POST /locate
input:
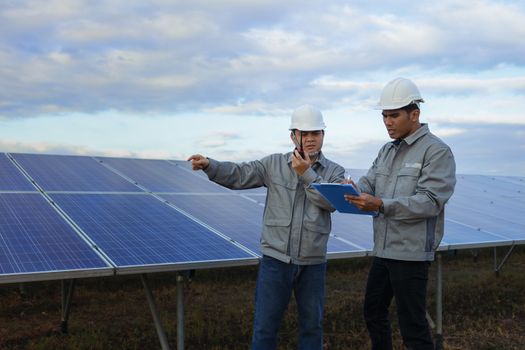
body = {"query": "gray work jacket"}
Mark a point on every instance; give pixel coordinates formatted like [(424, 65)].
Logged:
[(415, 178), (296, 222)]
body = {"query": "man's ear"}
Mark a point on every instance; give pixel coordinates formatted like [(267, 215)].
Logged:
[(414, 115)]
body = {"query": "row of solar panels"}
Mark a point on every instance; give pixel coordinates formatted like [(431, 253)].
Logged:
[(75, 216)]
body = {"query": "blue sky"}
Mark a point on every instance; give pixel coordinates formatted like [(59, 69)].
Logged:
[(166, 79)]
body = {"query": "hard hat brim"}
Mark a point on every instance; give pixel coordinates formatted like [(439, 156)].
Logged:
[(396, 106)]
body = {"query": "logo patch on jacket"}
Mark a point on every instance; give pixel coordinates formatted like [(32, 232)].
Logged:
[(413, 165)]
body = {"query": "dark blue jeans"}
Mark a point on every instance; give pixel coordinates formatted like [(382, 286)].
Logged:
[(406, 281), (275, 282)]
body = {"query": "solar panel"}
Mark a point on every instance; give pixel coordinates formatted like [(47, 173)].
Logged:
[(36, 243), (256, 197), (460, 236), (238, 218), (356, 229), (162, 176), (72, 173), (11, 179), (489, 188), (489, 204), (338, 247), (478, 209), (234, 216), (139, 232), (516, 180), (490, 219)]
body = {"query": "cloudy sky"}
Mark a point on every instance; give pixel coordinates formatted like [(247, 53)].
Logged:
[(167, 78)]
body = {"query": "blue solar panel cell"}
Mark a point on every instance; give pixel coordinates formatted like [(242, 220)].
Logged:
[(11, 179), (356, 229), (72, 173), (163, 176), (338, 247), (490, 218), (488, 187), (234, 216), (515, 180), (140, 230), (496, 208), (35, 239), (461, 236)]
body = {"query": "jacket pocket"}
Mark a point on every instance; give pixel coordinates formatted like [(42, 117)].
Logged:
[(280, 202), (382, 175), (321, 224), (313, 242), (275, 238), (406, 237), (406, 182)]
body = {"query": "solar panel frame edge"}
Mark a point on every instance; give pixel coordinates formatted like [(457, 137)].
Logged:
[(185, 266), (56, 275), (346, 255), (464, 246)]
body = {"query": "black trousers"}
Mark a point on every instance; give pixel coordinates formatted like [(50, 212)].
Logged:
[(406, 281)]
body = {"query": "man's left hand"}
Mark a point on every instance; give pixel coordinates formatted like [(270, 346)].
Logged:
[(365, 201), (300, 164)]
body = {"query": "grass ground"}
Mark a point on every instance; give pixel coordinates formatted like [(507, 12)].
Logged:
[(481, 310)]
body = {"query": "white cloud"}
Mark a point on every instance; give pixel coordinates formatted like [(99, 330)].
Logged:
[(234, 63), (447, 132)]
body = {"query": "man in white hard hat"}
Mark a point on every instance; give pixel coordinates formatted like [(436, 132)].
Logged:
[(296, 227), (408, 184)]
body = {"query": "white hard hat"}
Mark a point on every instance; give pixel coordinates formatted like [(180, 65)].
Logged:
[(399, 93), (307, 118)]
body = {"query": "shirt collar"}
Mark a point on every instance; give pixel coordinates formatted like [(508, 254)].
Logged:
[(410, 139)]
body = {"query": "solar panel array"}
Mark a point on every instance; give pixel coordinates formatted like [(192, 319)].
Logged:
[(75, 216)]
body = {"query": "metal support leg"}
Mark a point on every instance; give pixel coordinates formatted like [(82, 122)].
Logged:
[(475, 254), (439, 304), (156, 319), (22, 289), (67, 296), (180, 312), (430, 321), (497, 267), (496, 260)]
